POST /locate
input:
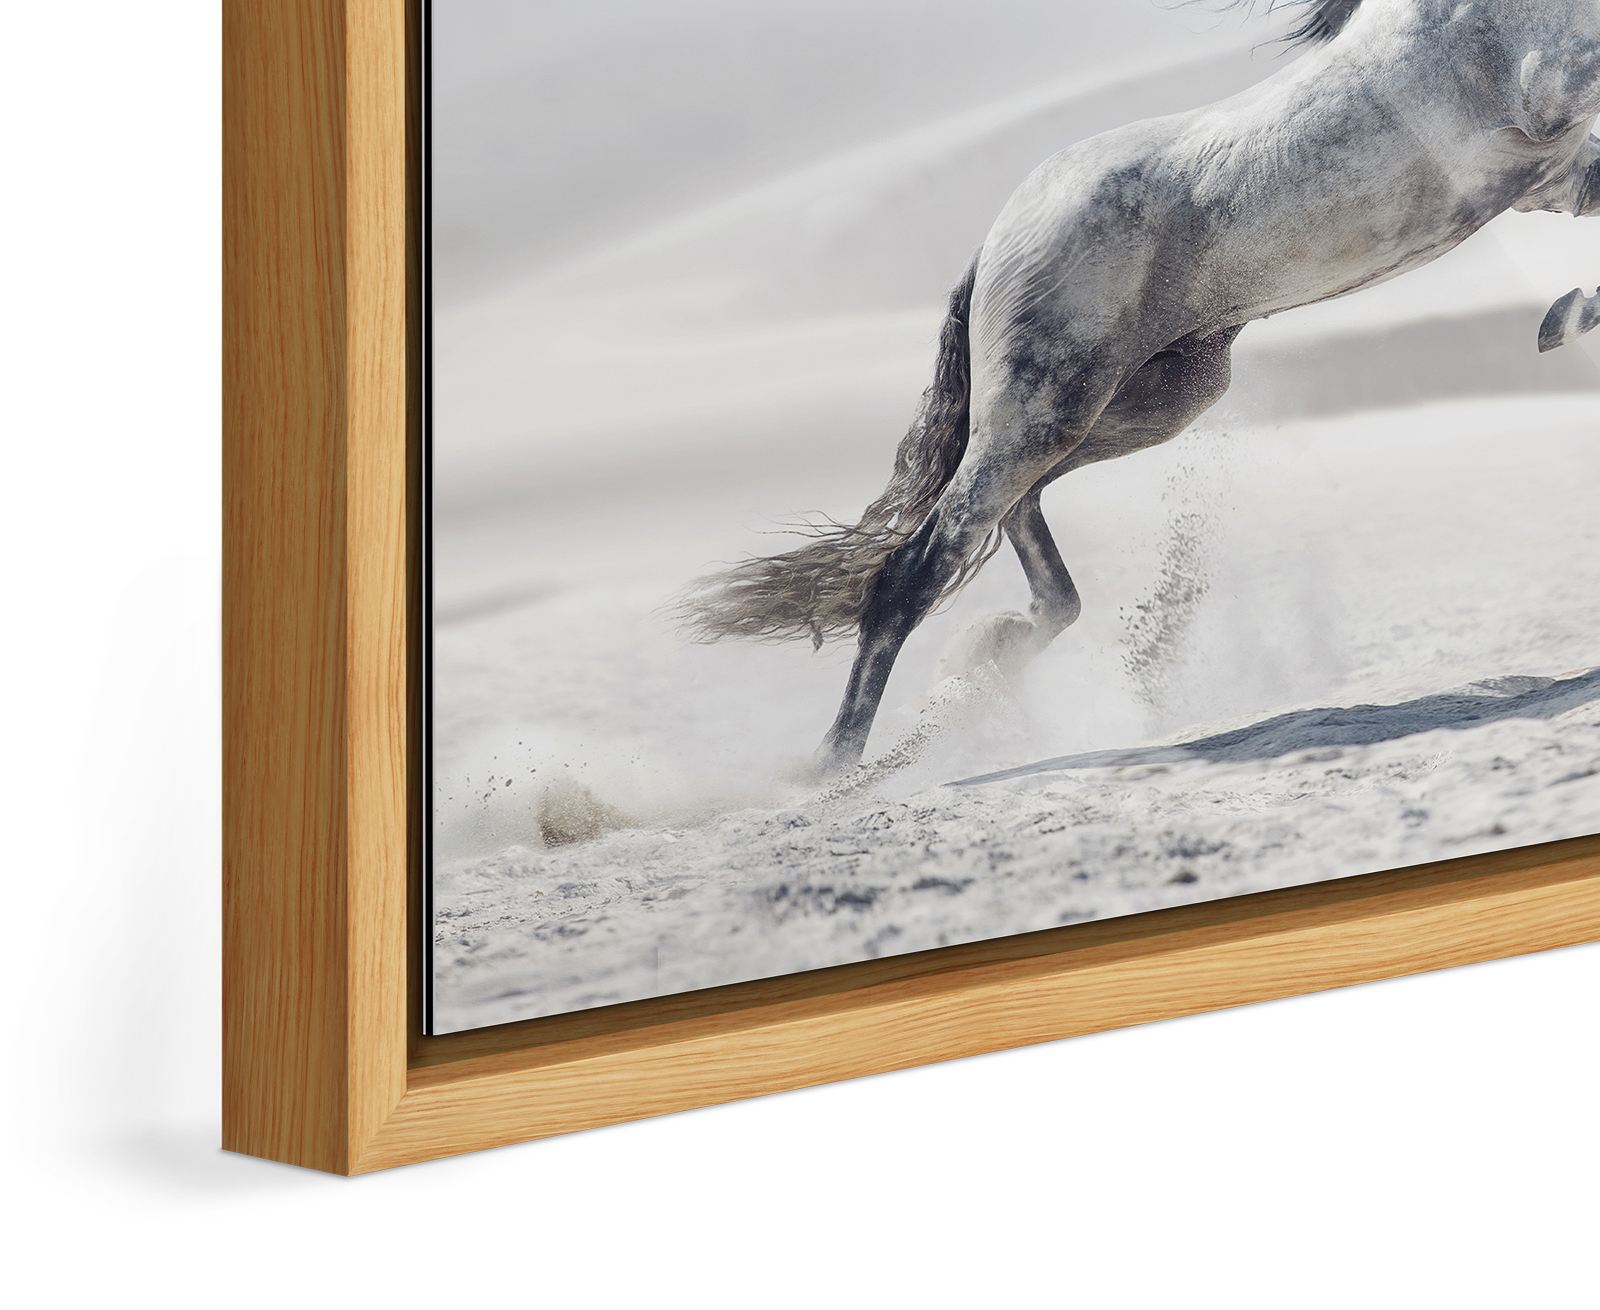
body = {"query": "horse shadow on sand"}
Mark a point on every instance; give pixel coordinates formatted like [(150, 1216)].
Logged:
[(1472, 706)]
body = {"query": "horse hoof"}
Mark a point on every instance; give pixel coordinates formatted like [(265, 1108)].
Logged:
[(1007, 640), (1569, 318), (831, 761)]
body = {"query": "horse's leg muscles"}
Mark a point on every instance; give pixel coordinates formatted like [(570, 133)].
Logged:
[(1056, 605), (1009, 639), (1152, 407), (910, 584), (1017, 438), (1158, 402)]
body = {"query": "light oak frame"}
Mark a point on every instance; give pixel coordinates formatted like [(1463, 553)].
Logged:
[(322, 1062)]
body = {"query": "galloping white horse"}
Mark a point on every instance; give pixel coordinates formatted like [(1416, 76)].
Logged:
[(1098, 316)]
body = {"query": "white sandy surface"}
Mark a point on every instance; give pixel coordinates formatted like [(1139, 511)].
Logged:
[(1372, 561), (764, 892)]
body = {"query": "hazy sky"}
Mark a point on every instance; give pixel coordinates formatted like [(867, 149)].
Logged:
[(559, 124)]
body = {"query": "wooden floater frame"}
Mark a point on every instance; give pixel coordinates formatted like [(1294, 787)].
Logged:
[(323, 1064)]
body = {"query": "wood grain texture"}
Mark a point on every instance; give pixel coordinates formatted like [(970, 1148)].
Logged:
[(1338, 900), (376, 620), (314, 558), (1147, 967), (283, 581), (322, 1064)]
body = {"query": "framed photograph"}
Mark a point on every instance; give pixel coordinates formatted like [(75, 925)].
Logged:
[(665, 658)]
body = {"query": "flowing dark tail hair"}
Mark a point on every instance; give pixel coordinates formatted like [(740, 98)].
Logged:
[(1322, 21), (821, 590)]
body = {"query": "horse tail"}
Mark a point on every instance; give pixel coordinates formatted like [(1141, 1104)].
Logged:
[(821, 590)]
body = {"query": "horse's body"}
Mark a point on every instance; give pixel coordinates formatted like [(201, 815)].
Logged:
[(1098, 315)]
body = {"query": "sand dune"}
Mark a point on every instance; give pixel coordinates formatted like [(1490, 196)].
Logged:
[(565, 126)]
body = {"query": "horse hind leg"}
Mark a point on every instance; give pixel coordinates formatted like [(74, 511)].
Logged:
[(1026, 431), (1011, 640), (912, 580), (1002, 463), (1172, 390)]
